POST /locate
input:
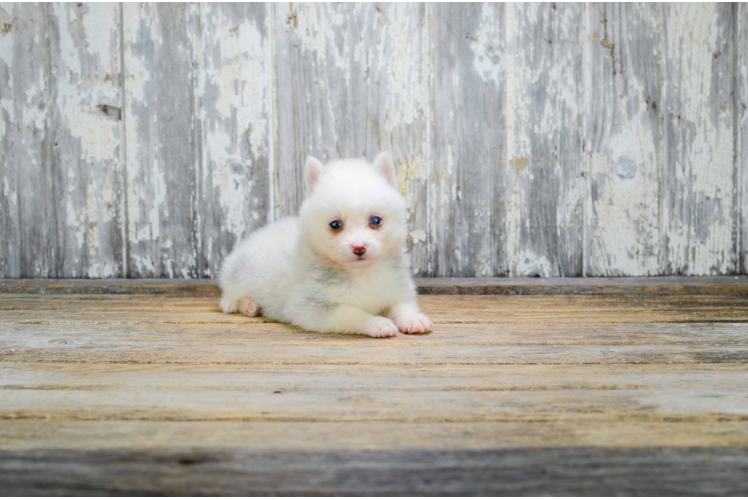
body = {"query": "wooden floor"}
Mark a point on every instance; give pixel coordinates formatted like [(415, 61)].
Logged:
[(160, 393)]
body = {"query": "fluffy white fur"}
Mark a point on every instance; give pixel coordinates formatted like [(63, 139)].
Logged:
[(301, 271)]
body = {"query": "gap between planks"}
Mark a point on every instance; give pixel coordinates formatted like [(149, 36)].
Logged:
[(665, 285)]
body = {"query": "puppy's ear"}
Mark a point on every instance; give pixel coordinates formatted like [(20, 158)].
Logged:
[(385, 166), (312, 172)]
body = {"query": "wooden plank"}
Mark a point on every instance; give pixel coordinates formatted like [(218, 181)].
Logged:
[(699, 206), (458, 309), (353, 80), (661, 285), (542, 175), (291, 378), (67, 337), (473, 330), (366, 354), (10, 257), (442, 309), (714, 401), (162, 139), (87, 116), (60, 132), (623, 138), (418, 394), (235, 108), (468, 42), (28, 435), (590, 471), (181, 287), (169, 391), (29, 166), (741, 113), (61, 212)]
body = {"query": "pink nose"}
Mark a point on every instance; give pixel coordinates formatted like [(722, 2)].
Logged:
[(359, 250)]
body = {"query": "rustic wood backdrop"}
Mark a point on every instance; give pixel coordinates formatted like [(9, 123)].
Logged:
[(144, 140)]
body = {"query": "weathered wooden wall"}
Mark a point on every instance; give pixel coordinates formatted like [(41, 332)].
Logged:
[(144, 140)]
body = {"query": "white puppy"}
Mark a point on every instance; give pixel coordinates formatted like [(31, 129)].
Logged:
[(341, 266)]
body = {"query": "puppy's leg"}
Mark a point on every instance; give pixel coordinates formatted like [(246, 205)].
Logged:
[(410, 319), (349, 319)]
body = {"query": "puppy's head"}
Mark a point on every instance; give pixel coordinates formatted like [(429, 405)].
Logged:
[(353, 214)]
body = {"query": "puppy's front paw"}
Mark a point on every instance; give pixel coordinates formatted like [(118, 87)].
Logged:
[(379, 327), (414, 323), (229, 306)]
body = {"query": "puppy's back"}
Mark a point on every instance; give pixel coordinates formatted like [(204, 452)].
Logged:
[(262, 265)]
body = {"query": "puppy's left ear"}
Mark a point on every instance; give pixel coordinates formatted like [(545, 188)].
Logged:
[(384, 165)]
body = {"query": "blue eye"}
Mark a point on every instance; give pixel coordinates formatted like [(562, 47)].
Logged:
[(336, 225), (375, 221)]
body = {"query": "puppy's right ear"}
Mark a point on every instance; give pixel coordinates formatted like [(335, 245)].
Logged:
[(312, 172)]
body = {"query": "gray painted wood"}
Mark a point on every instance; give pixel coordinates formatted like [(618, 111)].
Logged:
[(699, 175), (162, 138), (594, 471), (741, 113), (27, 198), (60, 130), (87, 117), (494, 114), (543, 181), (352, 80), (469, 91), (658, 285), (235, 111), (623, 134)]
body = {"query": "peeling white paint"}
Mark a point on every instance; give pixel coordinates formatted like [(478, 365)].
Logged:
[(624, 232), (241, 78), (381, 61), (9, 193), (33, 114), (742, 138), (407, 94), (315, 30), (700, 238), (418, 236), (486, 43), (529, 264), (7, 48)]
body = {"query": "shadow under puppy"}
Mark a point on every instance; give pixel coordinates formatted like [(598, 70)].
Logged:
[(341, 265)]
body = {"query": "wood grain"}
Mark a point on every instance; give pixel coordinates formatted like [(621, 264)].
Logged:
[(700, 168), (61, 134), (663, 285), (27, 435), (162, 139), (86, 64), (741, 114), (546, 471), (477, 330), (530, 140), (623, 139), (542, 176), (235, 110), (508, 394), (29, 166), (489, 309), (469, 63), (329, 393)]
